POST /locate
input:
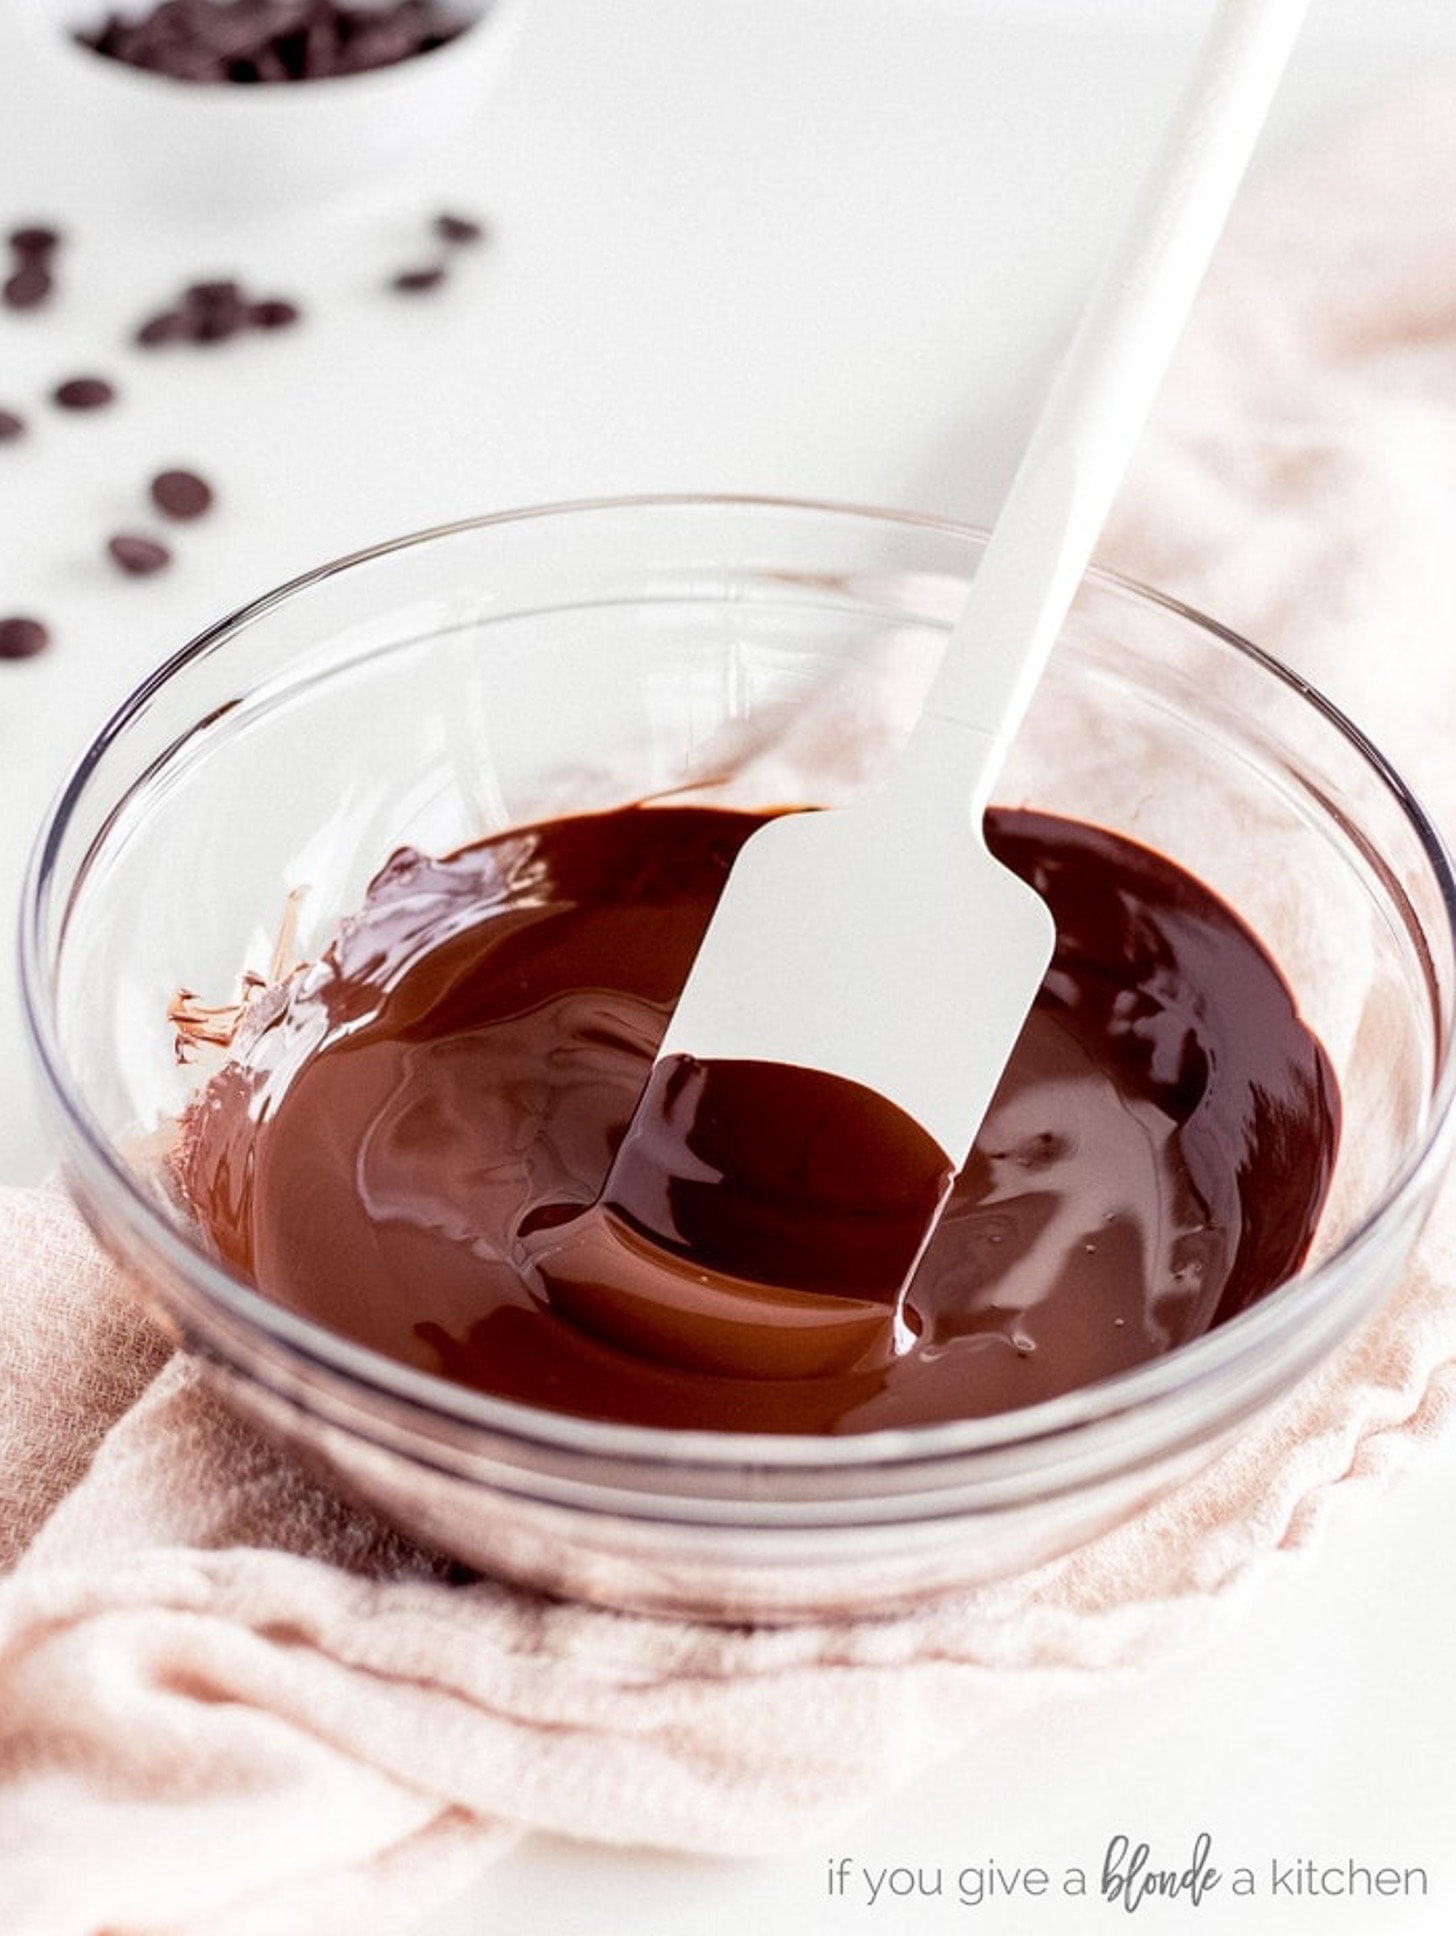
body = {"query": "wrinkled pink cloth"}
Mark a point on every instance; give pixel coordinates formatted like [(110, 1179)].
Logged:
[(229, 1704)]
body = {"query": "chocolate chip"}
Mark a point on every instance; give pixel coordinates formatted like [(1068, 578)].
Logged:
[(455, 231), (273, 41), (11, 426), (83, 393), (28, 286), (459, 228), (168, 326), (411, 281), (181, 494), (214, 312), (34, 241), (223, 293), (22, 638), (30, 281), (137, 555), (273, 312)]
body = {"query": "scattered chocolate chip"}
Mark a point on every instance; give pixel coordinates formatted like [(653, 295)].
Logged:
[(181, 494), (215, 325), (28, 286), (30, 281), (137, 555), (11, 426), (459, 228), (411, 281), (455, 231), (223, 294), (22, 638), (34, 241), (167, 327), (266, 41), (273, 312), (214, 312), (84, 393)]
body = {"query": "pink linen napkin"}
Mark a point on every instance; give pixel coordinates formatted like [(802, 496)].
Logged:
[(229, 1704)]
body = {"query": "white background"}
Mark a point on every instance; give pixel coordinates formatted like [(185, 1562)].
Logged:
[(810, 247)]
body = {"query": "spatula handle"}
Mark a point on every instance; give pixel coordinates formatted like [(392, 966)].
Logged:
[(1093, 416)]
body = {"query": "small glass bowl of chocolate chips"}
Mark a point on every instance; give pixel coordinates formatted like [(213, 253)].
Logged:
[(221, 106), (347, 947)]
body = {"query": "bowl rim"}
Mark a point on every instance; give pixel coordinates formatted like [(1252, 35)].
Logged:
[(1170, 1380)]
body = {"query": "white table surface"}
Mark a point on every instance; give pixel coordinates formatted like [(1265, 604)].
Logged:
[(805, 247)]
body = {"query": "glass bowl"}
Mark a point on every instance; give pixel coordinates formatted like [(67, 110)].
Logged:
[(572, 657)]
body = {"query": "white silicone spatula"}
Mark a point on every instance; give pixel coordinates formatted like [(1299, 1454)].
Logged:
[(882, 942)]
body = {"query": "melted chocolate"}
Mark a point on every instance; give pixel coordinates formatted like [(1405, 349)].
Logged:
[(411, 1130), (757, 1219)]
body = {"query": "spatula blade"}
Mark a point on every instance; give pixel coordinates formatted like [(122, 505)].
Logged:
[(878, 945)]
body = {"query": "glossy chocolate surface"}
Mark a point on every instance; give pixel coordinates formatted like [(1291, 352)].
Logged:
[(408, 1129)]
